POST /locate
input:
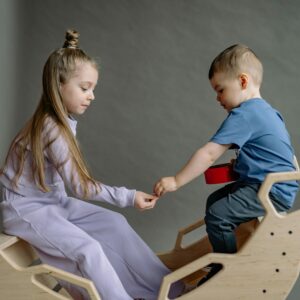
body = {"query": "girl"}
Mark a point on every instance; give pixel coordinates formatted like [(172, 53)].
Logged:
[(74, 235)]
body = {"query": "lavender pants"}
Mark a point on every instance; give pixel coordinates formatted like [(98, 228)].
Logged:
[(89, 241)]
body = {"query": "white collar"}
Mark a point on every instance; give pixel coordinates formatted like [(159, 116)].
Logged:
[(72, 123)]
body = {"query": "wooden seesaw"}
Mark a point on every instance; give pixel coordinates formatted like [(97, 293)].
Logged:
[(266, 265)]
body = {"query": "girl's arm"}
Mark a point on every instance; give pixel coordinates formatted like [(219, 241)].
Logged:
[(58, 154), (201, 160)]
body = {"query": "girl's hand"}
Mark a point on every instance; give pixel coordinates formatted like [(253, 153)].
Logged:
[(144, 201), (164, 185)]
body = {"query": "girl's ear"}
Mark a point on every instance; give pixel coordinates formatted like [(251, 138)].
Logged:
[(244, 80)]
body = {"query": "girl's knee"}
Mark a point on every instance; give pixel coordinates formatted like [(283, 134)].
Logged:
[(118, 223), (89, 250), (118, 219)]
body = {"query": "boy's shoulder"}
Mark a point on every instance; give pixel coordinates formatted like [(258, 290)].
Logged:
[(256, 109), (255, 106), (254, 103), (258, 113)]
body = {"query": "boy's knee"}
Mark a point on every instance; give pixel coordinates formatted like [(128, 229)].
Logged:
[(210, 219), (214, 217), (209, 201), (213, 212)]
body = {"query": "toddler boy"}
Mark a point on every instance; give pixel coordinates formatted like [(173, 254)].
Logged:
[(263, 145)]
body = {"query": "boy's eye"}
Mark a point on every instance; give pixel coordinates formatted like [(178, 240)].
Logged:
[(84, 89)]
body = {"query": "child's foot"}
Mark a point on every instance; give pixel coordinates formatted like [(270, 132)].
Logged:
[(191, 286), (214, 269), (188, 288)]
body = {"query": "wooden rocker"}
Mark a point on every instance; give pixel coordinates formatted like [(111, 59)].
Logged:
[(266, 265), (22, 279)]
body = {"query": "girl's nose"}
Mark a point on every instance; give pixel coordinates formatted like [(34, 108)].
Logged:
[(91, 96)]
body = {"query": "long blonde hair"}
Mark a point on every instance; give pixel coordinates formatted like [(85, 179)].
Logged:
[(58, 69)]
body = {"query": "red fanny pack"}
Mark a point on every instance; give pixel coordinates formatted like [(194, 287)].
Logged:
[(220, 174)]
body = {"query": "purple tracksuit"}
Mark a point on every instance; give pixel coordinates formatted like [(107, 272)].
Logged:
[(77, 236)]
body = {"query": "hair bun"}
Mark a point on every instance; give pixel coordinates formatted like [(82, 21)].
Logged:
[(71, 41)]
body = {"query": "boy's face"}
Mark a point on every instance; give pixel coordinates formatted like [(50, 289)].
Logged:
[(229, 90)]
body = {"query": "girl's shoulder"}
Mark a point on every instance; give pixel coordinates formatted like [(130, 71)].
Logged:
[(53, 138), (49, 123), (50, 130)]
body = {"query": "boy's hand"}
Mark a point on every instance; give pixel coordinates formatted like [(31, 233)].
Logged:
[(164, 185), (233, 161), (144, 201)]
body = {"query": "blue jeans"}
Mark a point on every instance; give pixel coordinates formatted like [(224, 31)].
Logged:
[(230, 206)]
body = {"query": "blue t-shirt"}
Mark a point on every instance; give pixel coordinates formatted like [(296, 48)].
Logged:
[(258, 132)]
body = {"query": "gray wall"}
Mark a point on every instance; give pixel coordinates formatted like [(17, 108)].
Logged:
[(154, 104), (9, 24)]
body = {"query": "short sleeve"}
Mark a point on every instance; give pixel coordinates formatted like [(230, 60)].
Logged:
[(234, 130)]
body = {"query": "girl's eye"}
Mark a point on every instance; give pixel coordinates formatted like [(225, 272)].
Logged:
[(84, 89)]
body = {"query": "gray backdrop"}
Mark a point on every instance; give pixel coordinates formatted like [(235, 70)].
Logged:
[(154, 106)]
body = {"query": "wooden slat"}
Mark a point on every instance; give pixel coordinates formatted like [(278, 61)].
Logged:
[(20, 280)]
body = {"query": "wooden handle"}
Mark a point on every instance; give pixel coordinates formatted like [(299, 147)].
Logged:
[(263, 193), (183, 231)]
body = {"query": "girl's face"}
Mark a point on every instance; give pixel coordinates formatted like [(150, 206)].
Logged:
[(78, 92)]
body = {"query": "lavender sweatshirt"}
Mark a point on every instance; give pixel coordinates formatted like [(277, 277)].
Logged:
[(59, 172)]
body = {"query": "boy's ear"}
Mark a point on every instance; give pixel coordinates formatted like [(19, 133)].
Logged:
[(244, 80)]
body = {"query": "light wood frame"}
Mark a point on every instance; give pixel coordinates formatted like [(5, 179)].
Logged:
[(21, 279), (266, 265)]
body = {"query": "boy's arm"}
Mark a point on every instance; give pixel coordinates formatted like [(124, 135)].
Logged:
[(201, 160)]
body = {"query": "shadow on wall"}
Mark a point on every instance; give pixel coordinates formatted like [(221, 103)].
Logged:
[(11, 66)]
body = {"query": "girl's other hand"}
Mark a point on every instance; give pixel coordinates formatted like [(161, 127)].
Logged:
[(144, 201), (164, 185)]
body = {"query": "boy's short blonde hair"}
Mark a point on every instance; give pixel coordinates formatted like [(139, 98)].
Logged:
[(235, 60)]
